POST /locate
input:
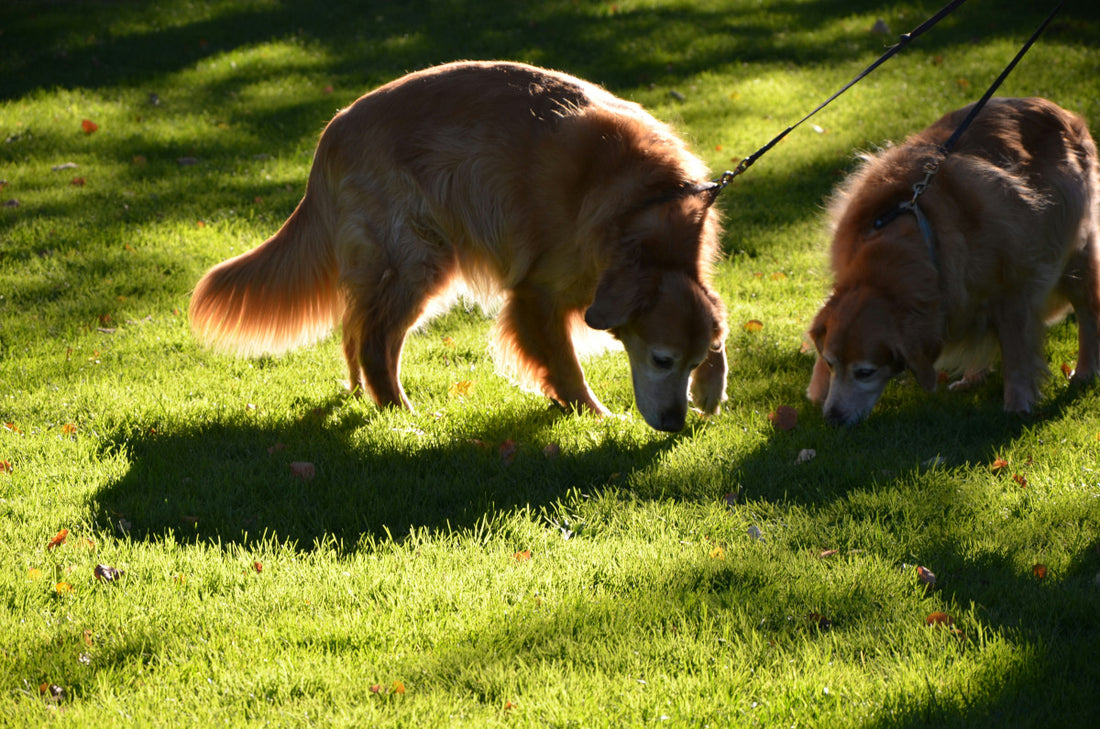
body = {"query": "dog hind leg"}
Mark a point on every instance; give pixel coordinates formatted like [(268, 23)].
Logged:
[(386, 295)]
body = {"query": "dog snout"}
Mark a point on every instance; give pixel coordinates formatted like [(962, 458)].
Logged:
[(671, 419)]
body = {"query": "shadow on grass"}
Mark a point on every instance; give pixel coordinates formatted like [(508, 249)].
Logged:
[(226, 483)]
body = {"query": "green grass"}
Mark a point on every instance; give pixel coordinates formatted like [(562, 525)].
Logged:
[(699, 585)]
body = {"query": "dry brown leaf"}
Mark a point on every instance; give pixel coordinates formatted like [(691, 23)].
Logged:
[(784, 417), (303, 470)]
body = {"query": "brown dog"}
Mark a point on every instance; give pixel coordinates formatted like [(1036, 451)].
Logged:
[(1004, 237), (505, 178)]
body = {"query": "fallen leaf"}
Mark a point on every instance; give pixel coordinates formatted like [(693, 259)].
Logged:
[(77, 182), (1019, 479), (1040, 571), (998, 465), (5, 467), (139, 160), (551, 451), (104, 573), (717, 553), (12, 427), (303, 470), (731, 499), (58, 539), (62, 588), (507, 451), (89, 126), (784, 417), (51, 690), (375, 688), (398, 687), (34, 574), (828, 553), (449, 342), (68, 429), (926, 576), (938, 618), (258, 566), (200, 223), (778, 276), (460, 389), (1067, 370), (522, 556), (89, 637), (754, 325)]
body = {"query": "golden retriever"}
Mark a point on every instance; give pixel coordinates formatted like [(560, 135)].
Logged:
[(1003, 240), (580, 208)]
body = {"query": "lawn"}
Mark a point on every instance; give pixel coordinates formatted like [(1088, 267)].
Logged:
[(192, 539)]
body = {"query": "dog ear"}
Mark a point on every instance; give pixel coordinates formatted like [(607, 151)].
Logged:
[(919, 349), (619, 294)]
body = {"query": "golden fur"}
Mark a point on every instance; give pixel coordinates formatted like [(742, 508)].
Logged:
[(1014, 216), (575, 205)]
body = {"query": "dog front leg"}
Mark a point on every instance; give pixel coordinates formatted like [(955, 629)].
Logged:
[(1020, 333), (536, 332), (708, 381)]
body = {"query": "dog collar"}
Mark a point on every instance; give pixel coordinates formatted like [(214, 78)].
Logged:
[(910, 206)]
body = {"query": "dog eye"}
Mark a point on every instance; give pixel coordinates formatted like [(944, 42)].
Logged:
[(663, 362), (864, 373)]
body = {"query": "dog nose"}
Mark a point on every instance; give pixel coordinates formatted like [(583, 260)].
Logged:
[(672, 421)]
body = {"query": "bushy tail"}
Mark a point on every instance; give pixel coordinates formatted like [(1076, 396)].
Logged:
[(280, 295)]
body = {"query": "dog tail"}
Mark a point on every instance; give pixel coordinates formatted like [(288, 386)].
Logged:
[(283, 294)]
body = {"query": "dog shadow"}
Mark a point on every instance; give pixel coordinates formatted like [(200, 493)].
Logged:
[(318, 478)]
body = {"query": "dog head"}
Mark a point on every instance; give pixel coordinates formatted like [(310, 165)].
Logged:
[(668, 323), (863, 339)]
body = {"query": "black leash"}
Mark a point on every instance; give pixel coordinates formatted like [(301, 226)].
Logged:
[(720, 184), (933, 166)]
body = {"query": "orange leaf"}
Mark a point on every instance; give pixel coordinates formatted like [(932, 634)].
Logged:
[(448, 342), (754, 325), (938, 618), (375, 688), (1020, 480), (5, 467), (13, 428), (62, 588), (77, 182), (784, 417), (507, 451), (1067, 370), (258, 566), (717, 553), (68, 429), (522, 556), (1040, 571), (778, 276), (58, 539), (34, 574), (999, 465), (89, 126), (398, 687)]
